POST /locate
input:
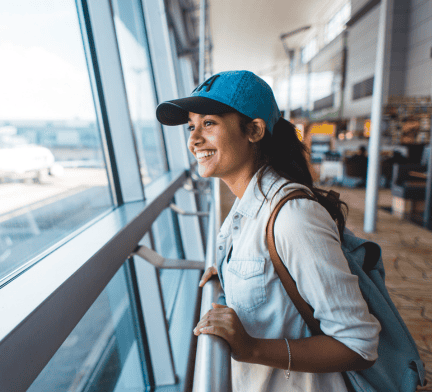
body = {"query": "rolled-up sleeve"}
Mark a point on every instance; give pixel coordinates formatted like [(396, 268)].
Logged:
[(307, 240)]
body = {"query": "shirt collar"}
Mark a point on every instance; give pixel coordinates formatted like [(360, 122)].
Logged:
[(252, 201)]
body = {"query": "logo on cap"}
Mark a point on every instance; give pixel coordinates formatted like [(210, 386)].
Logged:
[(209, 83)]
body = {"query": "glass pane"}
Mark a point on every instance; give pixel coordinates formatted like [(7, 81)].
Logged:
[(167, 243), (130, 29), (52, 172), (101, 353)]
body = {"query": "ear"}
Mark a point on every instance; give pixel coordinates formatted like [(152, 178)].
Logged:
[(256, 130)]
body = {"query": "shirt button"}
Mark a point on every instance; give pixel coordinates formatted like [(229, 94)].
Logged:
[(220, 247), (235, 227), (236, 216)]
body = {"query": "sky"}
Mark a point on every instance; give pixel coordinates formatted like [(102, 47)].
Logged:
[(43, 72)]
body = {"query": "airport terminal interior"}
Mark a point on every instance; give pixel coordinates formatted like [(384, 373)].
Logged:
[(106, 226)]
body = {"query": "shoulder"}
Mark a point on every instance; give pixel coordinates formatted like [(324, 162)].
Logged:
[(300, 217)]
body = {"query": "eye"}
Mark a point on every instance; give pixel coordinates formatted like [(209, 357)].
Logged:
[(190, 128), (208, 123)]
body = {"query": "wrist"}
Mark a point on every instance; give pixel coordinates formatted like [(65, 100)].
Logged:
[(255, 349), (250, 352)]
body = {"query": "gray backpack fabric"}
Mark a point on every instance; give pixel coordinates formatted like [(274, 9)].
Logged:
[(398, 367)]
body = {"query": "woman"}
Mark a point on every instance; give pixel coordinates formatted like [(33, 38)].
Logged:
[(238, 135)]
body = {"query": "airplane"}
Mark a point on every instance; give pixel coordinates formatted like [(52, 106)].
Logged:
[(21, 160)]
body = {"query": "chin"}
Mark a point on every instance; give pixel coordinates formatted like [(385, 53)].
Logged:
[(204, 172)]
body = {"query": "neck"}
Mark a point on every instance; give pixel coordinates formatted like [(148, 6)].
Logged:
[(239, 183)]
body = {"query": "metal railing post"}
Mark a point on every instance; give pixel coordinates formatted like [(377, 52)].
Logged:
[(213, 357)]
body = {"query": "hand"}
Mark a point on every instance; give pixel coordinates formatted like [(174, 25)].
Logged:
[(223, 321), (207, 275)]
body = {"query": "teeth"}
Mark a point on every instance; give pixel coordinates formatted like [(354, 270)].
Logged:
[(204, 154)]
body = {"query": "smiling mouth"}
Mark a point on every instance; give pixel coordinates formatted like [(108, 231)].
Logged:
[(203, 156)]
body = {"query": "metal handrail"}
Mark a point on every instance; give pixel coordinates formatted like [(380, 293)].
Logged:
[(213, 356)]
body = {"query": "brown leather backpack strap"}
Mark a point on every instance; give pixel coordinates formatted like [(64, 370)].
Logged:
[(288, 282)]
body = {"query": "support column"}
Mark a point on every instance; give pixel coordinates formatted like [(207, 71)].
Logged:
[(427, 217), (202, 29), (308, 88), (290, 77), (381, 67)]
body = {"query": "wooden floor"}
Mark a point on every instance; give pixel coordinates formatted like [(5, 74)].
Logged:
[(407, 256)]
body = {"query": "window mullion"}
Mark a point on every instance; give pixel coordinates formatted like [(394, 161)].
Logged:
[(111, 93)]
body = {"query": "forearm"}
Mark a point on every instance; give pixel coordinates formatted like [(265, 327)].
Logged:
[(316, 354)]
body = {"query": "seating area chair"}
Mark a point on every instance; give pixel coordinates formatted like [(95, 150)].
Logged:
[(408, 192), (353, 169)]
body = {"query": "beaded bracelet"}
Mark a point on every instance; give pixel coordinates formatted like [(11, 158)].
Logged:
[(287, 372)]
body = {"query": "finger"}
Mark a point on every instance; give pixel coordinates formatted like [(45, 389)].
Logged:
[(215, 330), (205, 321), (207, 275), (209, 327), (221, 311), (215, 318), (209, 272)]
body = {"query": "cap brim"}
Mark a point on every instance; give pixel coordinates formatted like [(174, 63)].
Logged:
[(176, 112)]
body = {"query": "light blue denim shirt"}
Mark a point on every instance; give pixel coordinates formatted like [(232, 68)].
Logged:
[(307, 240)]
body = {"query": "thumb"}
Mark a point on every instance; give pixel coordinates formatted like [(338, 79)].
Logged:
[(216, 306)]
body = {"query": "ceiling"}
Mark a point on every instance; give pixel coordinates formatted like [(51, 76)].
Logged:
[(246, 33)]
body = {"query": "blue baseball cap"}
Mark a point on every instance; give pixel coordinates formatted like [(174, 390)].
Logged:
[(225, 92)]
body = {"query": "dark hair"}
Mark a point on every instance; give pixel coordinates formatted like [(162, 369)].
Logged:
[(286, 155)]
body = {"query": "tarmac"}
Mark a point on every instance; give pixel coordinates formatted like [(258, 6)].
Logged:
[(407, 256)]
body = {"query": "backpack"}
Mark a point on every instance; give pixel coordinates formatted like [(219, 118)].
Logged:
[(398, 367)]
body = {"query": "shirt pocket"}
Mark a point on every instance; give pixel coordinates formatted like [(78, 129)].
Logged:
[(247, 282)]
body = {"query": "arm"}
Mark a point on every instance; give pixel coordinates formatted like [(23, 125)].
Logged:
[(316, 354), (310, 248)]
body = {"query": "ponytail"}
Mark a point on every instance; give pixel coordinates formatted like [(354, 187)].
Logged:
[(286, 155)]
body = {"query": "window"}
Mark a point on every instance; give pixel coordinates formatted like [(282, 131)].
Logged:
[(321, 87), (53, 177), (363, 89), (309, 51), (168, 244), (337, 24), (103, 352), (130, 30)]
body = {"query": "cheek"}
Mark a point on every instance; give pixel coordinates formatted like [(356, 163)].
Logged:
[(238, 152)]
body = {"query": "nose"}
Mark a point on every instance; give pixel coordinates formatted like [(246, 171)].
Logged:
[(195, 138)]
